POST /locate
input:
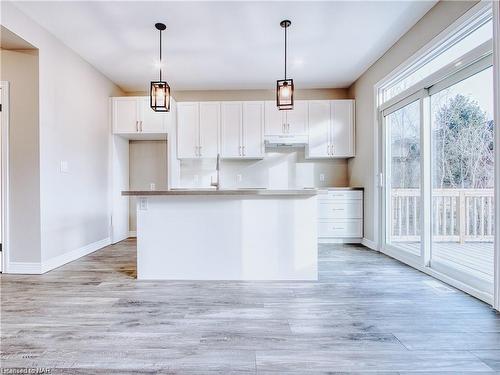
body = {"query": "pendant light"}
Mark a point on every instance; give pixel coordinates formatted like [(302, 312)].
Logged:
[(284, 87), (160, 90)]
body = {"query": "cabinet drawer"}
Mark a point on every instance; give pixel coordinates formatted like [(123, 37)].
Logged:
[(341, 228), (352, 209), (340, 195)]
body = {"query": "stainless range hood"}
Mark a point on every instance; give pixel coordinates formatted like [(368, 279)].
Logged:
[(286, 141)]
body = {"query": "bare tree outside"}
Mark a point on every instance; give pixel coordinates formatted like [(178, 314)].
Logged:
[(463, 145)]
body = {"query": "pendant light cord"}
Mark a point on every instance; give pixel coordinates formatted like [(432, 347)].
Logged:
[(160, 55), (285, 50)]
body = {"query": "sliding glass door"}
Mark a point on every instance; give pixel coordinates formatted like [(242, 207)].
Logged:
[(403, 178), (439, 177), (462, 164)]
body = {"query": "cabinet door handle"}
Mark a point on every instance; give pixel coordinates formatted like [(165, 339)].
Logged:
[(328, 149), (331, 150), (239, 151), (283, 128), (137, 126), (288, 128), (140, 126), (243, 150)]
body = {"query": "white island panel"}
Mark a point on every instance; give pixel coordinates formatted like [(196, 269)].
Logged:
[(227, 238)]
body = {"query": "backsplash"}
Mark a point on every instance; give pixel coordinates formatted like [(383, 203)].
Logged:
[(283, 168)]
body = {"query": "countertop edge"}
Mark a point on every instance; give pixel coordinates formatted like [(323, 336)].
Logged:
[(241, 192)]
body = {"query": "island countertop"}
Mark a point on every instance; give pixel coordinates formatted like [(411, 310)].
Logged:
[(222, 192)]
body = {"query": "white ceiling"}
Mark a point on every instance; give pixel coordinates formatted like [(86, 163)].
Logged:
[(229, 45)]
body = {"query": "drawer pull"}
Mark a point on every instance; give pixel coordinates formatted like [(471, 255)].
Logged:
[(338, 228), (338, 209)]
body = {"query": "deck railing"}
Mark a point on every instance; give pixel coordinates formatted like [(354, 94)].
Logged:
[(459, 215)]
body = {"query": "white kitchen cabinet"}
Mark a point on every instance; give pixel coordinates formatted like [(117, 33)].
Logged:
[(242, 130), (198, 130), (151, 121), (231, 130), (330, 129), (286, 122), (253, 130), (125, 115), (187, 130), (296, 118), (342, 131), (319, 129), (133, 115), (209, 129), (340, 215)]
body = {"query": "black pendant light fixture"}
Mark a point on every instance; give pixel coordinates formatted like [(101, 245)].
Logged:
[(160, 90), (284, 87)]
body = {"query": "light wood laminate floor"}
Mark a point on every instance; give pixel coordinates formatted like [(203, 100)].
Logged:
[(367, 314)]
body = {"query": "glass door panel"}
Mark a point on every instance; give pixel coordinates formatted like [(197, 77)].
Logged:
[(462, 163), (403, 178)]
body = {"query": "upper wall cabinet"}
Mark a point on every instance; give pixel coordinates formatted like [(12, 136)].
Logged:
[(289, 122), (330, 129), (198, 130), (133, 115), (242, 130)]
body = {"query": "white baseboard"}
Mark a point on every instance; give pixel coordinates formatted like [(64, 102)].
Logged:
[(132, 233), (369, 244), (62, 259), (338, 240), (28, 268)]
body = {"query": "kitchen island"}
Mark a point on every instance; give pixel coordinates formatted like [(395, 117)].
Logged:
[(240, 234)]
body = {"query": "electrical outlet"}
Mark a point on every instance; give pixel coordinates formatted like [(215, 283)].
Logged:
[(152, 186), (143, 204), (322, 177), (239, 178)]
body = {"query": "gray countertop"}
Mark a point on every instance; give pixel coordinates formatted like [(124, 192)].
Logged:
[(222, 192), (342, 188)]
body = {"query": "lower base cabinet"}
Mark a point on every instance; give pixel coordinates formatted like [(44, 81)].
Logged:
[(340, 215)]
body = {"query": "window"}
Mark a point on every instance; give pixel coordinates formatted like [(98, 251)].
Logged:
[(474, 34)]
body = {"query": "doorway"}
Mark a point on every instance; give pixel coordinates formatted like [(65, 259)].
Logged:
[(4, 173)]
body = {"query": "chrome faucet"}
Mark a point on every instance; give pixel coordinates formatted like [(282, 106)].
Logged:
[(217, 167)]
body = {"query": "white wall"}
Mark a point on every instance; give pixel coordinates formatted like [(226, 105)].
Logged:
[(73, 127), (20, 69), (147, 165), (362, 169)]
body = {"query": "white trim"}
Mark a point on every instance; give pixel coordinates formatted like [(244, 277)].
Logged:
[(369, 244), (26, 268), (58, 261), (65, 258), (132, 234), (442, 277), (4, 170), (332, 240), (496, 79)]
